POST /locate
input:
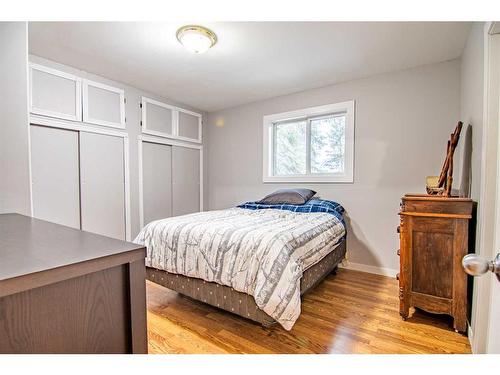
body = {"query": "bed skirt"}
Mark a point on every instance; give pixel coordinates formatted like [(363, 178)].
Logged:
[(242, 304)]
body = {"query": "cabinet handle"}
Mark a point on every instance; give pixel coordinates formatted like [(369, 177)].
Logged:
[(397, 276), (398, 229), (399, 252)]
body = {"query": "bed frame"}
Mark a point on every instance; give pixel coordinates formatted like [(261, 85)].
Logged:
[(242, 304)]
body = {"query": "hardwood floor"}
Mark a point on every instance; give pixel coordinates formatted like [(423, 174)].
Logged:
[(351, 312)]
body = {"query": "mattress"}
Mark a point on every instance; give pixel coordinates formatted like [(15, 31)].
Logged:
[(242, 304), (261, 253)]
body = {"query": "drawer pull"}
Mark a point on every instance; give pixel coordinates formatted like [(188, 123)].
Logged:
[(399, 252), (397, 276)]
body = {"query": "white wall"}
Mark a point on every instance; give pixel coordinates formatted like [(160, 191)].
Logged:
[(471, 113), (14, 132), (403, 121), (471, 98), (133, 127)]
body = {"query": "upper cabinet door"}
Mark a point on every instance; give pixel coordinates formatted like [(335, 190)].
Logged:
[(189, 127), (157, 118), (54, 93), (165, 120), (103, 105)]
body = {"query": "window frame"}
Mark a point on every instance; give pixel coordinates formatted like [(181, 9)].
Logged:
[(307, 114)]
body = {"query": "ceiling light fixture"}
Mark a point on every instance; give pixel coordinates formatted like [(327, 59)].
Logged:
[(197, 39)]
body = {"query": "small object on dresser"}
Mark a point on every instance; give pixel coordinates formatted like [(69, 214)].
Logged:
[(433, 240), (441, 185)]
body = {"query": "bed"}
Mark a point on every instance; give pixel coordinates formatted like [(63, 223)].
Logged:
[(252, 260)]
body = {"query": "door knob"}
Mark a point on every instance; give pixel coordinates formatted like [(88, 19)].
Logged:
[(475, 265)]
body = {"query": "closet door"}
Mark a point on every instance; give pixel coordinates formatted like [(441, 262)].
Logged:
[(156, 181), (54, 93), (102, 184), (189, 126), (186, 180), (55, 175), (157, 118), (103, 104)]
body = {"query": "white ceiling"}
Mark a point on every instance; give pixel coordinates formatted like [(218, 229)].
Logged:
[(251, 61)]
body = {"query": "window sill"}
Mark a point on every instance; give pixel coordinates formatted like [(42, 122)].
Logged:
[(341, 179)]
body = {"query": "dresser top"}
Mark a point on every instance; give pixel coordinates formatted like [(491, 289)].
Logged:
[(30, 245), (434, 198)]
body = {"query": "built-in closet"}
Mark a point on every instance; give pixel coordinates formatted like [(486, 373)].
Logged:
[(80, 155), (79, 164), (171, 161)]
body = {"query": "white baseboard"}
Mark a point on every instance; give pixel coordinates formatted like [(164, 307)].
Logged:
[(369, 269)]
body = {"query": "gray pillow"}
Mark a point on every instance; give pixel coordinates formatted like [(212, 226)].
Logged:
[(288, 196)]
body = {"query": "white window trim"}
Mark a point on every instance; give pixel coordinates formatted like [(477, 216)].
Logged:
[(268, 146), (86, 118), (175, 121)]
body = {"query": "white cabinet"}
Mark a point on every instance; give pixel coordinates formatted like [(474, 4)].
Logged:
[(102, 176), (55, 175), (156, 181), (103, 104), (168, 121), (170, 178), (80, 179), (54, 93), (189, 126), (157, 118), (65, 96)]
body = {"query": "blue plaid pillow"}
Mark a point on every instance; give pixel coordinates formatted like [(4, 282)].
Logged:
[(313, 205)]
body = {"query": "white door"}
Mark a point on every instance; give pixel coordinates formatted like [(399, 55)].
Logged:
[(157, 118), (55, 175), (156, 181), (189, 126), (493, 342), (486, 304), (102, 174), (494, 326), (186, 180), (103, 104), (54, 93)]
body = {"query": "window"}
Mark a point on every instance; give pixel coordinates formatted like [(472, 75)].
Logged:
[(310, 145)]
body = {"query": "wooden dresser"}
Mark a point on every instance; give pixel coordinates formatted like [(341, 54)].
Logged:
[(433, 241), (63, 290)]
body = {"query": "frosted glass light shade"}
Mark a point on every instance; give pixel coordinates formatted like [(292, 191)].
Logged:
[(196, 39)]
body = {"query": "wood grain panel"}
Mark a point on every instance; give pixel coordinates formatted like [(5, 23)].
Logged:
[(352, 312), (431, 303), (137, 302), (430, 204), (431, 262), (91, 313), (434, 238)]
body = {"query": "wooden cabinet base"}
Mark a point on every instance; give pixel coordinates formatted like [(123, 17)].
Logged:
[(87, 314), (433, 241), (67, 291)]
